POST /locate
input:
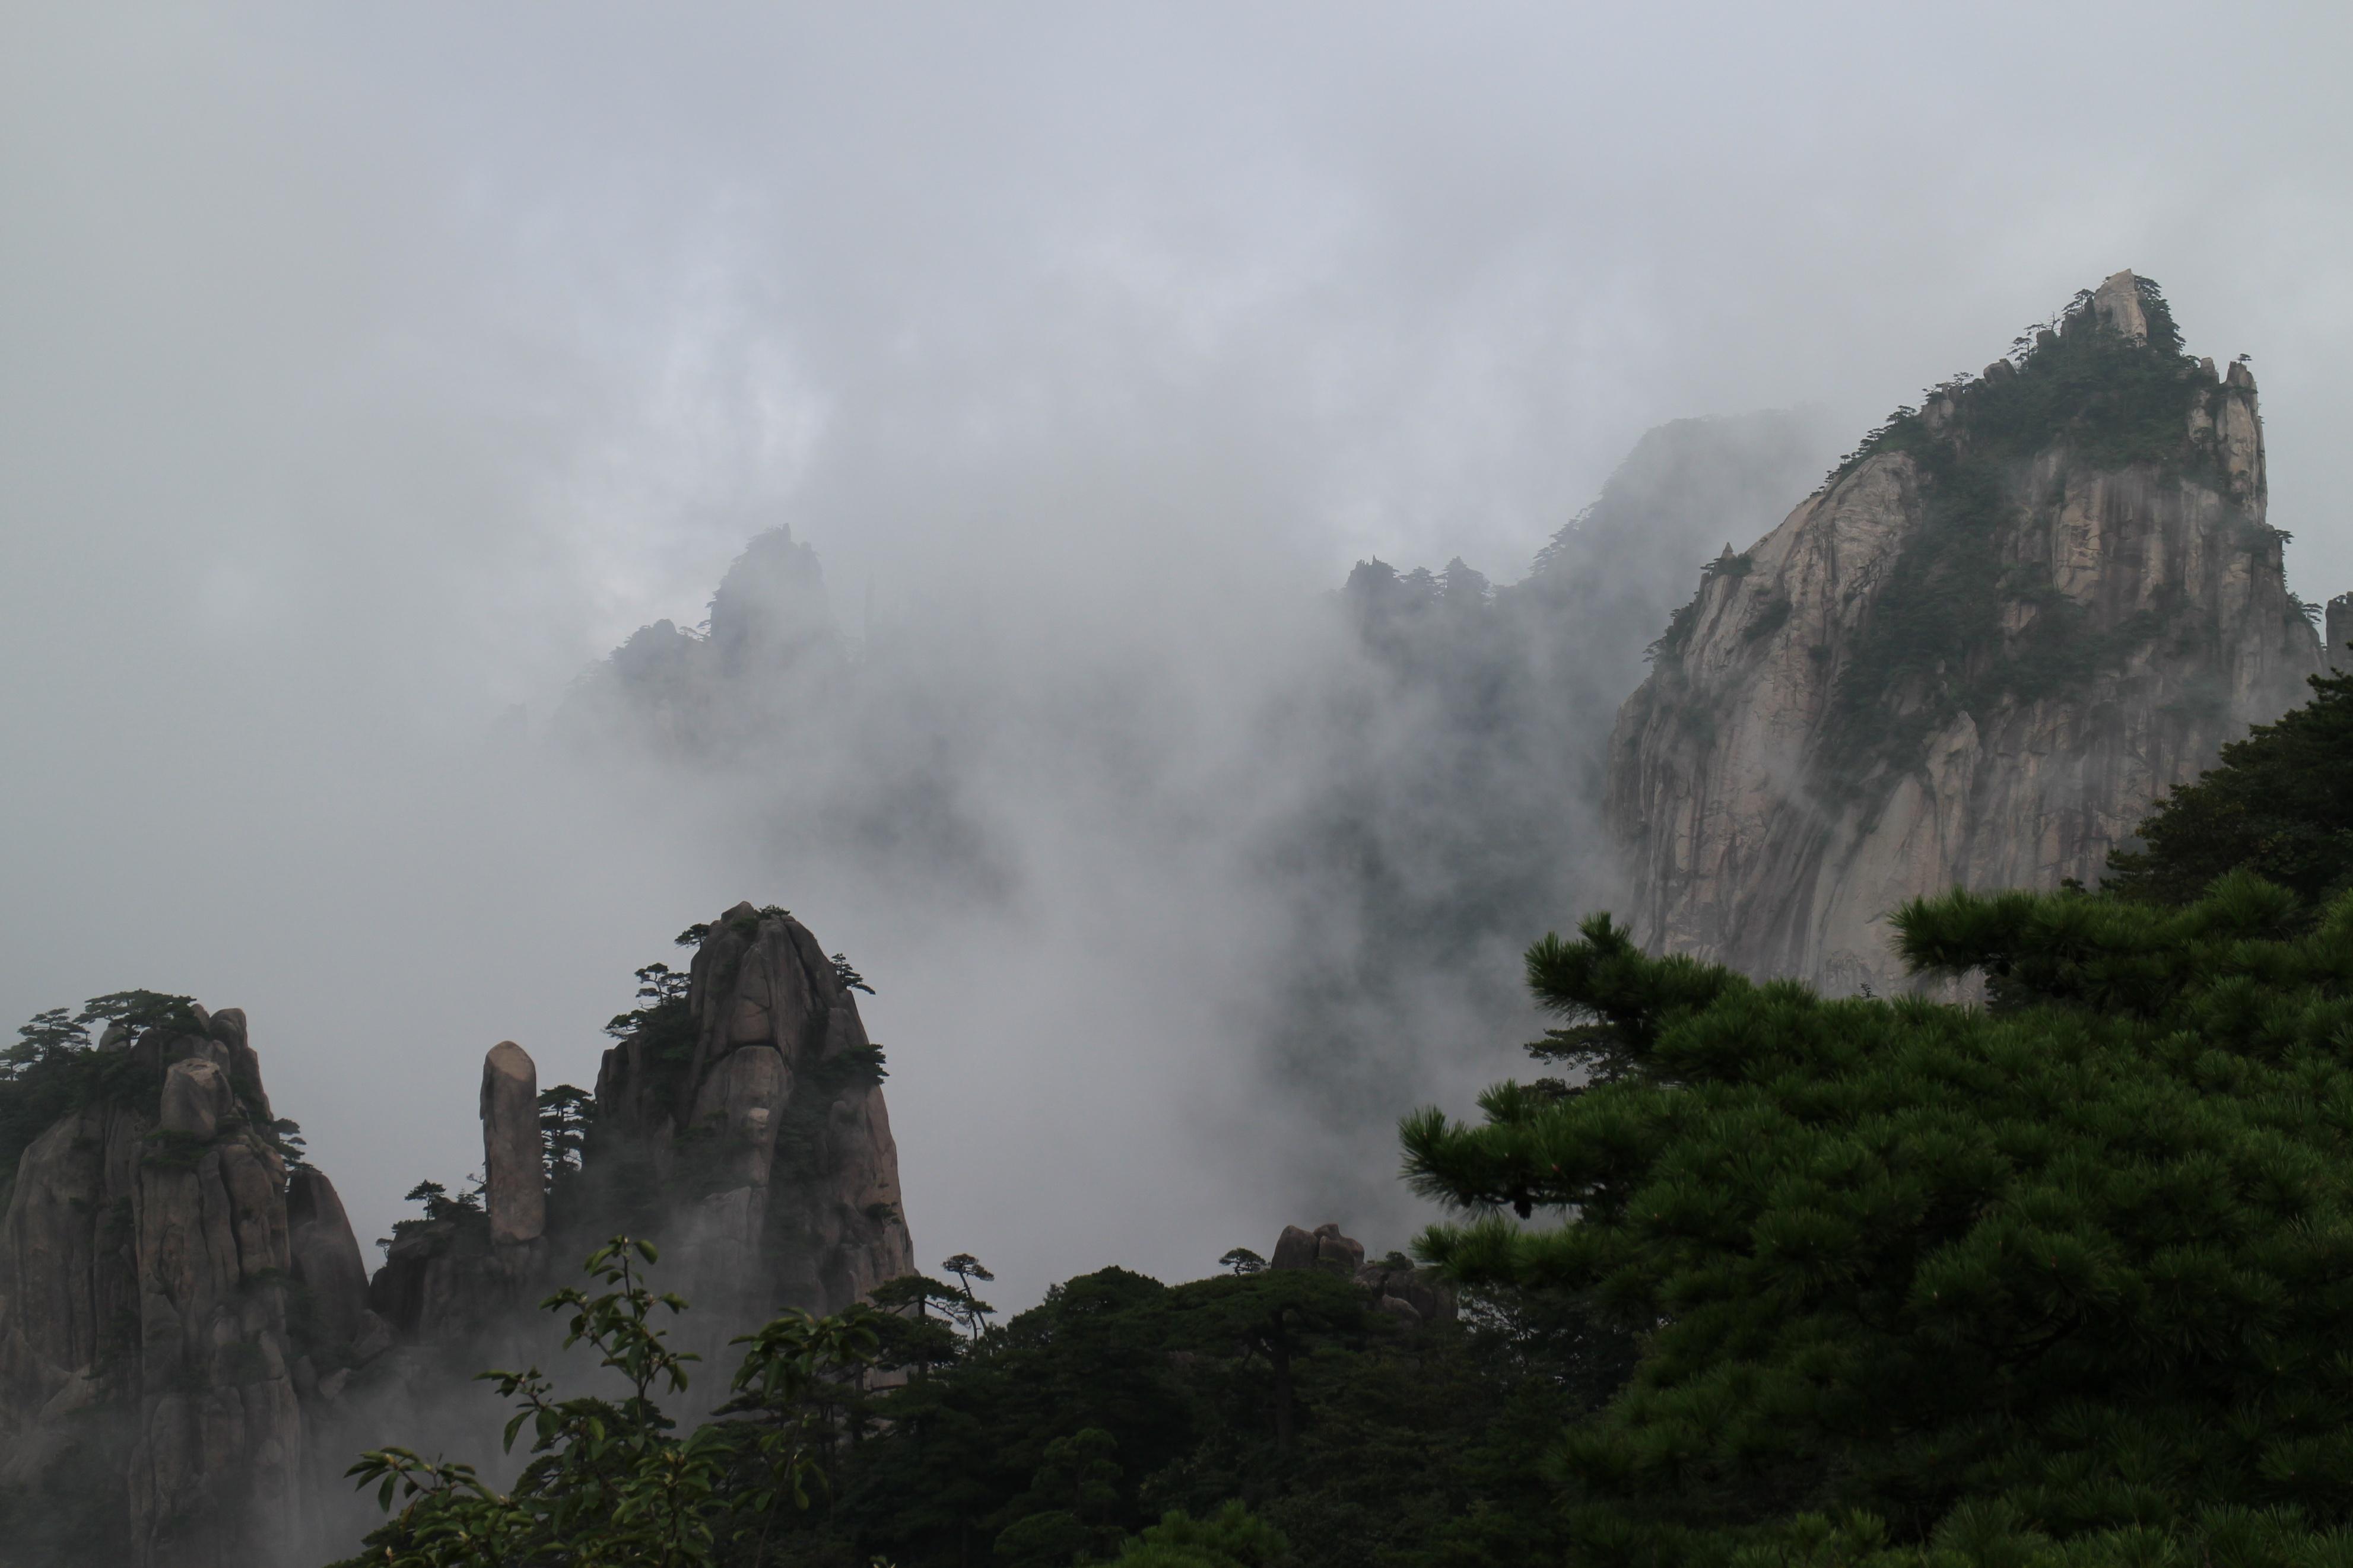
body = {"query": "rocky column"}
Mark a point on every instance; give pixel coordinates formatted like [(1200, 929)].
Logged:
[(513, 1170)]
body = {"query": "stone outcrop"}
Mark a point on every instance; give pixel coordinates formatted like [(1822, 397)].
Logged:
[(2337, 641), (756, 1110), (166, 1296), (1413, 1296), (514, 1174), (470, 1263), (1974, 657), (1322, 1247)]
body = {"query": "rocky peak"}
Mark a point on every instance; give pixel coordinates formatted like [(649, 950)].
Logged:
[(155, 1373), (2117, 303), (1974, 656), (756, 1105)]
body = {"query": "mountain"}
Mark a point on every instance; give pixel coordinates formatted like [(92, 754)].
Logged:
[(192, 1351), (174, 1283), (1456, 758), (1973, 657)]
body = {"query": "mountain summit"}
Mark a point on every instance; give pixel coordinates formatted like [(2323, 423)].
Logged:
[(2002, 626)]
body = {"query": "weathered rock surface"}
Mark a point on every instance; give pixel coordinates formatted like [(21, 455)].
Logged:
[(467, 1265), (326, 1260), (146, 1332), (1322, 1247), (514, 1170), (1816, 744), (763, 1122), (1412, 1295)]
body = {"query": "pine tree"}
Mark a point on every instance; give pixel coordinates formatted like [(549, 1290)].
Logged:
[(1911, 1274)]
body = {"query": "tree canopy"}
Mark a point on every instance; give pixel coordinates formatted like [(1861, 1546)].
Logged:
[(2069, 1275), (2280, 804)]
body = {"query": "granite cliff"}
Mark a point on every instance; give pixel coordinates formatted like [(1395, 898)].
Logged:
[(171, 1296), (2001, 628), (191, 1349), (753, 1102)]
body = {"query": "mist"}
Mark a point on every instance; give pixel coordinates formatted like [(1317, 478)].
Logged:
[(367, 377)]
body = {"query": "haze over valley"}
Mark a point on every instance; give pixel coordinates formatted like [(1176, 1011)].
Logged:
[(1161, 548)]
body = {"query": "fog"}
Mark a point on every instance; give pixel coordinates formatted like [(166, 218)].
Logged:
[(369, 374)]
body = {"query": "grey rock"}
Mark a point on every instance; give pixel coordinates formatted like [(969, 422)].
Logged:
[(777, 1042), (371, 1339), (326, 1258), (1322, 1247), (197, 1098), (514, 1171), (1294, 1248), (2118, 303), (1722, 762), (1333, 1250), (167, 1265)]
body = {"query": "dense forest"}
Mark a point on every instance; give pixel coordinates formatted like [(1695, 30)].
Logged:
[(1746, 1276)]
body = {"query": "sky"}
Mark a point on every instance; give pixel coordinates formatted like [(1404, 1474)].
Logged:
[(367, 372)]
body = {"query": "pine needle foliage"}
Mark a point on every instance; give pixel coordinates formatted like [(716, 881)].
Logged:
[(2065, 1280), (2280, 803)]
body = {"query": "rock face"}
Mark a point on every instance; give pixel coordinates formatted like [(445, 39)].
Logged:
[(1412, 1295), (154, 1350), (2338, 640), (514, 1170), (1973, 658), (468, 1265), (756, 1110), (1322, 1247)]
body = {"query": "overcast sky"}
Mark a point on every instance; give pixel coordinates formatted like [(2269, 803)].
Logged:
[(367, 371)]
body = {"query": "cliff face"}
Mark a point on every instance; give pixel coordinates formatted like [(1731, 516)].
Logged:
[(166, 1310), (1974, 656), (757, 1108)]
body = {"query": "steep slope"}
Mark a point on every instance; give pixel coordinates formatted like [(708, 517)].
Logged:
[(1451, 769), (169, 1300), (754, 1105), (739, 1121), (1973, 657)]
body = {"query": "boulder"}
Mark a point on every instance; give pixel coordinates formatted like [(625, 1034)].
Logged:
[(1334, 1251), (198, 1098), (1322, 1247), (1411, 1294), (1294, 1248), (2118, 303)]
